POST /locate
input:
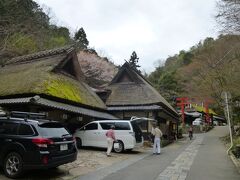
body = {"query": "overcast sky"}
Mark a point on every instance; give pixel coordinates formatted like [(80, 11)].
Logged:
[(155, 29)]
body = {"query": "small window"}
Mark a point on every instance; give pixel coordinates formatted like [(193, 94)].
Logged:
[(8, 128), (106, 125), (25, 129), (92, 126), (122, 126)]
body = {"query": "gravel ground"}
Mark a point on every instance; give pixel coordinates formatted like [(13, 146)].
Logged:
[(89, 160), (92, 159)]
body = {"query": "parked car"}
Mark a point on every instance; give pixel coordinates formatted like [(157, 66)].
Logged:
[(33, 144), (197, 122), (215, 123), (127, 133)]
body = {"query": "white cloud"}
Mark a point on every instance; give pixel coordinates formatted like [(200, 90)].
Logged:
[(155, 29)]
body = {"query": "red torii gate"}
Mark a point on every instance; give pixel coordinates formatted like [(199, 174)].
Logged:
[(182, 102)]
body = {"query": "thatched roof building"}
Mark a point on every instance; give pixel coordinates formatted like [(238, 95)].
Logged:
[(131, 91), (130, 94), (50, 79)]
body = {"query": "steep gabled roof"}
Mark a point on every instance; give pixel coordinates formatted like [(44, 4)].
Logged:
[(55, 73), (129, 87), (130, 73)]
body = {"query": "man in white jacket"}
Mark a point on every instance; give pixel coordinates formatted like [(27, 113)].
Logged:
[(157, 134)]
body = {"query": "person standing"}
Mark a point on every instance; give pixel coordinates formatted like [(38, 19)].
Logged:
[(110, 139), (157, 134)]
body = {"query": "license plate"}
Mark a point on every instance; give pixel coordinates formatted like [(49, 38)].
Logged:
[(63, 147)]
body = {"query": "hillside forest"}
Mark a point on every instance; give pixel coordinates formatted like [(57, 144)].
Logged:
[(208, 68)]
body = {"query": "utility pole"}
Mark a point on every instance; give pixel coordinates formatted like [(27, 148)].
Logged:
[(227, 97)]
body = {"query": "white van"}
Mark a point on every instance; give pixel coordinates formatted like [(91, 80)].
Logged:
[(127, 133), (197, 122)]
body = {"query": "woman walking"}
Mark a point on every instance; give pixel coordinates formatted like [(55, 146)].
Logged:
[(110, 139)]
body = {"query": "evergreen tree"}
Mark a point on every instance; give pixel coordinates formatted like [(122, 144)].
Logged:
[(133, 61), (81, 39)]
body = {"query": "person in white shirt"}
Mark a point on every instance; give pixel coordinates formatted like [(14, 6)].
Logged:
[(157, 134)]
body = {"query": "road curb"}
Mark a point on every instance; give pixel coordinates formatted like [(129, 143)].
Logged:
[(235, 161)]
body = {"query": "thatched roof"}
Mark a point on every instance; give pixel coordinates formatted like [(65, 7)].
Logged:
[(130, 88), (55, 73)]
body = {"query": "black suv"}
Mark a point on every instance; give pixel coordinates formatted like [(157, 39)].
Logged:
[(30, 143)]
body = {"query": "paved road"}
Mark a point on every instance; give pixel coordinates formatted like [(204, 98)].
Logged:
[(202, 158), (150, 167), (211, 161)]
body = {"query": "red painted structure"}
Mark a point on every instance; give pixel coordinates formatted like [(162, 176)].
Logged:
[(182, 102), (206, 106)]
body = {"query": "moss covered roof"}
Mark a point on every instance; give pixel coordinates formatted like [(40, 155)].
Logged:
[(36, 75)]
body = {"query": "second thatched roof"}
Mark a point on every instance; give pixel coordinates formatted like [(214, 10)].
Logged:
[(130, 88)]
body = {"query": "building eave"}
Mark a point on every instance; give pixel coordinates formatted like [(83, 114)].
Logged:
[(130, 108), (37, 100)]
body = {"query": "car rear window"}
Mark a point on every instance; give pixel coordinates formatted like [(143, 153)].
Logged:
[(52, 130)]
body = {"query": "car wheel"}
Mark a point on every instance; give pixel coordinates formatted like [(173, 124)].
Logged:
[(79, 143), (120, 148), (13, 165)]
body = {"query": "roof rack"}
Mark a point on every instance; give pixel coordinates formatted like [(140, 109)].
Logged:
[(27, 115)]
